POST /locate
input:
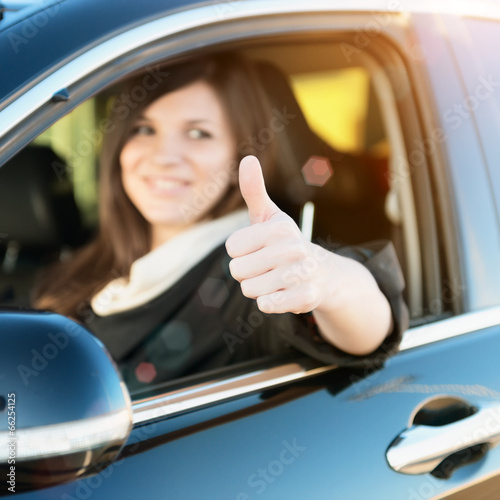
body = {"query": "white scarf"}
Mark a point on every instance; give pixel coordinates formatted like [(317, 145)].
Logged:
[(158, 270)]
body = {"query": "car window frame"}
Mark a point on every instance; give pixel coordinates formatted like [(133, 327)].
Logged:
[(55, 104), (242, 30)]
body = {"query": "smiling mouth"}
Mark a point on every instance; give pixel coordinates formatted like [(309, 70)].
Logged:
[(166, 186)]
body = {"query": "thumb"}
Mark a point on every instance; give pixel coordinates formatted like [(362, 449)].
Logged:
[(253, 190)]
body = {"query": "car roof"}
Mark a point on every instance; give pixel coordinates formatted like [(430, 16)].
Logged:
[(41, 35), (48, 34)]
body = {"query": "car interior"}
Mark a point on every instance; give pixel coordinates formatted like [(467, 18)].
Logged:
[(345, 114)]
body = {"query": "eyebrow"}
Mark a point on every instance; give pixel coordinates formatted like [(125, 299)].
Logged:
[(191, 122), (201, 120)]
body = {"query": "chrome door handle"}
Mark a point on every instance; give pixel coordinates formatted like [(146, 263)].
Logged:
[(421, 448)]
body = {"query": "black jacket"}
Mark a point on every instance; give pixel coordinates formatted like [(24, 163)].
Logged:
[(204, 322)]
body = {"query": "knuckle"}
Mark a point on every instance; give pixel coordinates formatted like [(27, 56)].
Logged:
[(297, 250), (229, 246), (246, 289), (266, 305), (283, 228), (234, 270)]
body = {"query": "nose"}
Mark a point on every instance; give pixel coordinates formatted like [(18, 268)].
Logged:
[(167, 150)]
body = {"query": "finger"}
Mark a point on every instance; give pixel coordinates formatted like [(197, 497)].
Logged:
[(247, 240), (253, 189), (252, 238), (263, 284), (254, 264), (296, 301)]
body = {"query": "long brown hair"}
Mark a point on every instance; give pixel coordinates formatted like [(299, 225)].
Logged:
[(124, 235)]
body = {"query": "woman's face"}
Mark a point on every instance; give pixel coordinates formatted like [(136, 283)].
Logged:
[(179, 159)]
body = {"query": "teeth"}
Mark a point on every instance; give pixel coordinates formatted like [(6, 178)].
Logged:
[(165, 184)]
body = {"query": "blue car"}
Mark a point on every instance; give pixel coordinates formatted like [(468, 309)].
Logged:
[(393, 110)]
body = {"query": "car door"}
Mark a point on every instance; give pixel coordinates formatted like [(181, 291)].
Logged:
[(424, 425)]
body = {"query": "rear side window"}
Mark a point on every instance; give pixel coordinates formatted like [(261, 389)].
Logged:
[(474, 42)]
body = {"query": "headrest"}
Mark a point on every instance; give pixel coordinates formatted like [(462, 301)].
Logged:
[(296, 140), (350, 204), (37, 208)]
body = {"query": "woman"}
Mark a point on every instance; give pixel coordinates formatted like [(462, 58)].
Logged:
[(158, 285)]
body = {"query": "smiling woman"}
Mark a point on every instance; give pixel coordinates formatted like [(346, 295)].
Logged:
[(170, 198), (180, 145), (126, 233)]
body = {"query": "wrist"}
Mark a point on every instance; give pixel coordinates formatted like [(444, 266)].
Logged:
[(331, 280)]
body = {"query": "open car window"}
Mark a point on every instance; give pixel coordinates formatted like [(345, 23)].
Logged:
[(350, 162)]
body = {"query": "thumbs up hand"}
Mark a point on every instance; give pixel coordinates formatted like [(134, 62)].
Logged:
[(274, 263), (285, 272)]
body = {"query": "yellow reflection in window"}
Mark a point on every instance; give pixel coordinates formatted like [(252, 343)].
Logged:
[(335, 104)]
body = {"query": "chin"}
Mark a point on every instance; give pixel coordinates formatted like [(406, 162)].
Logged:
[(176, 220), (179, 215)]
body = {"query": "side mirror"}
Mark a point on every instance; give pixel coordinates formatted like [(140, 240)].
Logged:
[(64, 409)]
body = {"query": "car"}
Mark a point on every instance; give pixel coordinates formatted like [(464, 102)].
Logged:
[(396, 136)]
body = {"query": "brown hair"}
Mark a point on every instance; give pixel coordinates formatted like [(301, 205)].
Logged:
[(124, 235)]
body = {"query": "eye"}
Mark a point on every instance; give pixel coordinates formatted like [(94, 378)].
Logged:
[(198, 133), (142, 129)]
